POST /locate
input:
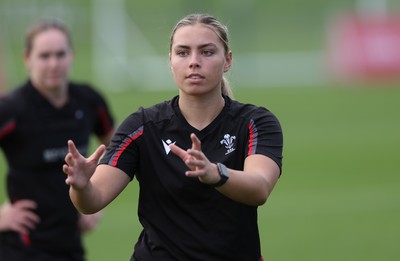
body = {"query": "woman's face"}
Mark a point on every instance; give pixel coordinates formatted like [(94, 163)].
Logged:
[(198, 60), (49, 60)]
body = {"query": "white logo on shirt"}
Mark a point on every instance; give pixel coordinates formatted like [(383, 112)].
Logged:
[(228, 141), (166, 145), (55, 154)]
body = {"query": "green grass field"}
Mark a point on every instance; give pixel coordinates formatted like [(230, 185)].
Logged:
[(338, 197)]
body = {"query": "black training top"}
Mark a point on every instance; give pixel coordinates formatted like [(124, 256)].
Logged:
[(182, 218), (33, 136)]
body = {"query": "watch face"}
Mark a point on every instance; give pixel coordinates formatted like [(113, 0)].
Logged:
[(223, 171)]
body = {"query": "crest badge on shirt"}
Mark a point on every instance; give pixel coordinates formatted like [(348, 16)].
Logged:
[(229, 142), (78, 114), (166, 144)]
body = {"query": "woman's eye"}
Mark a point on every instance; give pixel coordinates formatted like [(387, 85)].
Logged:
[(208, 53), (61, 54), (181, 53), (44, 56)]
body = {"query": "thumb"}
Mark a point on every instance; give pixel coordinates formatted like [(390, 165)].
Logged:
[(196, 143), (98, 153)]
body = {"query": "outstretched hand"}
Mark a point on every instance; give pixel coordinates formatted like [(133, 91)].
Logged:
[(199, 165), (79, 169)]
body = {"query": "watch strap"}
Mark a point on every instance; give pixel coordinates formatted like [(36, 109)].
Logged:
[(223, 173)]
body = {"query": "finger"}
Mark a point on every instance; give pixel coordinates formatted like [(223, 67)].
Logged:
[(69, 180), (194, 173), (196, 144), (25, 204), (65, 169), (195, 163), (196, 153), (72, 149), (178, 151), (68, 159), (24, 227), (32, 216), (26, 219), (190, 174), (98, 153), (30, 220), (20, 228)]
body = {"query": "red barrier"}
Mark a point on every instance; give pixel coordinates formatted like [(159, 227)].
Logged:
[(365, 47)]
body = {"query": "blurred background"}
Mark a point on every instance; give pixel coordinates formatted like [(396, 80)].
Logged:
[(330, 71)]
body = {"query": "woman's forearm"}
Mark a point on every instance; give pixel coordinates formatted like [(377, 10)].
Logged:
[(86, 200)]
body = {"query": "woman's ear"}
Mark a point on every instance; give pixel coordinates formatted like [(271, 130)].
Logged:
[(228, 62), (26, 60), (169, 56)]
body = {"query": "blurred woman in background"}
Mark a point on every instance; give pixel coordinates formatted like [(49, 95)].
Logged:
[(39, 222)]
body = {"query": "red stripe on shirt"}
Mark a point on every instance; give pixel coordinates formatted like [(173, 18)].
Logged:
[(124, 146), (251, 139), (9, 127), (105, 122)]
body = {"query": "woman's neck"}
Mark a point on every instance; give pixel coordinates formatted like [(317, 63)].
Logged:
[(57, 96), (200, 112)]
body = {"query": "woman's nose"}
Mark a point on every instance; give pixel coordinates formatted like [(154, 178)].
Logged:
[(194, 61)]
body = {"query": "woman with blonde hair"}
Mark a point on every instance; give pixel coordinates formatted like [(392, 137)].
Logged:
[(204, 162)]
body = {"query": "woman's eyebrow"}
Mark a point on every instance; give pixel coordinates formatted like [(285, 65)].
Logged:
[(182, 46)]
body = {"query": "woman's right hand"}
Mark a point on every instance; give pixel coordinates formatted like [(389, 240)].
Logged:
[(19, 216), (79, 169)]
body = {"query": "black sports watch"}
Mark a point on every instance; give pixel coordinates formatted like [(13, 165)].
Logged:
[(223, 173)]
